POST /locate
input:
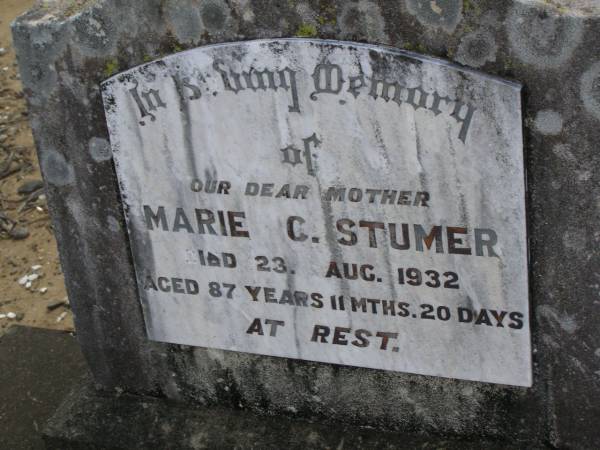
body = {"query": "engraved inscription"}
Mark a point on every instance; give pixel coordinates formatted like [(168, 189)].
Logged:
[(327, 79), (327, 201)]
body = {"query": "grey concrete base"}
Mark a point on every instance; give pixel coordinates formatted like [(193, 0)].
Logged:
[(40, 366), (37, 369), (88, 420)]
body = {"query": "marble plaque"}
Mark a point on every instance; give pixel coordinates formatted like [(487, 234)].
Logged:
[(328, 201)]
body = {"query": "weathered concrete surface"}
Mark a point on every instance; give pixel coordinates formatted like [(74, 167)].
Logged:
[(97, 421), (38, 368), (66, 50)]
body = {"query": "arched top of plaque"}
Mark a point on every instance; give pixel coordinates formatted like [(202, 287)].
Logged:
[(328, 201), (305, 70)]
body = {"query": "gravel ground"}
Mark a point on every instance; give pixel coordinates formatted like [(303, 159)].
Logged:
[(32, 290)]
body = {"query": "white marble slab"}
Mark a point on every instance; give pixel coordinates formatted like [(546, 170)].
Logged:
[(306, 162)]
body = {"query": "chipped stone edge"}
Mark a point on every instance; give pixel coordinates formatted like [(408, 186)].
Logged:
[(377, 47)]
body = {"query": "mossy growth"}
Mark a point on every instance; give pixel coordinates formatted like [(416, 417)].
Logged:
[(509, 67), (472, 7), (327, 15), (558, 6), (170, 45), (111, 67), (419, 47), (325, 21), (306, 30)]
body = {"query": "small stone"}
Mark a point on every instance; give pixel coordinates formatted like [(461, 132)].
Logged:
[(2, 51), (33, 276), (43, 290), (23, 280), (18, 233), (30, 186), (28, 284), (2, 316), (55, 305), (11, 315), (61, 317), (435, 8), (36, 267)]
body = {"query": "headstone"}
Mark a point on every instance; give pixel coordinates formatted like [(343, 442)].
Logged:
[(327, 201), (188, 267)]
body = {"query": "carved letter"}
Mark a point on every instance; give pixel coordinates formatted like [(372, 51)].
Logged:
[(181, 83), (325, 72), (465, 121), (294, 107), (225, 77), (147, 97)]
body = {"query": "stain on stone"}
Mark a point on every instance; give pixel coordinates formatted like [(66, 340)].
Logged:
[(566, 322), (94, 31), (590, 90), (579, 167), (113, 224), (541, 37), (306, 14), (476, 49), (37, 46), (548, 122), (563, 152), (242, 9), (56, 169), (362, 20), (574, 241), (99, 149), (444, 14), (214, 15), (184, 18)]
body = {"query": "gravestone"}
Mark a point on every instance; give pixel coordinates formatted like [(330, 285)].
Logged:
[(323, 228)]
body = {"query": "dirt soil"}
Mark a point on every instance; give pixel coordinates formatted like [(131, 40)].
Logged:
[(27, 245)]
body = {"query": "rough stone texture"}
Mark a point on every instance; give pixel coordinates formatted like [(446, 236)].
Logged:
[(38, 368), (65, 51), (97, 421)]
